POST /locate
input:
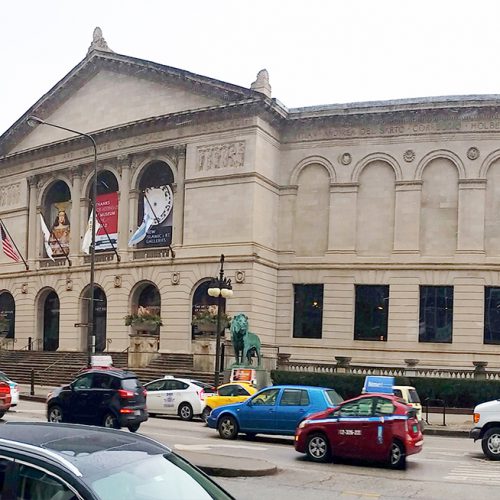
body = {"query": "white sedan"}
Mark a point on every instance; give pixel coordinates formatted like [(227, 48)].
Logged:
[(14, 389), (177, 396)]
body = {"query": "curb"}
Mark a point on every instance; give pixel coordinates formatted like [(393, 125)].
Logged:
[(227, 466), (446, 432)]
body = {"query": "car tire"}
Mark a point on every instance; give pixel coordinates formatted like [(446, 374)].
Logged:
[(110, 421), (133, 427), (2, 413), (206, 413), (227, 427), (318, 448), (397, 456), (186, 411), (55, 414), (491, 443)]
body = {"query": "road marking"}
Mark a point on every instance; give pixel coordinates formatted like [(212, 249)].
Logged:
[(484, 473), (208, 447)]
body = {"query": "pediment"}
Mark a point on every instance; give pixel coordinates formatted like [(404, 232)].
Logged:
[(107, 90)]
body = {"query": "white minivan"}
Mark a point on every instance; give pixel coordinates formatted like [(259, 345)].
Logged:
[(385, 385)]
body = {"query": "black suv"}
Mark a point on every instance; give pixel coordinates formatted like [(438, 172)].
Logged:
[(108, 397)]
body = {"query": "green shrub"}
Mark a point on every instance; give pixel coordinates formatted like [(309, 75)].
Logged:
[(456, 393)]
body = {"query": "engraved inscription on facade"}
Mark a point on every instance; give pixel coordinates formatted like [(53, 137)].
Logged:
[(229, 155), (9, 195)]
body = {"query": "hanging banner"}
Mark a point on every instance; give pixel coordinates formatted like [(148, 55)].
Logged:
[(60, 230), (159, 202), (107, 213)]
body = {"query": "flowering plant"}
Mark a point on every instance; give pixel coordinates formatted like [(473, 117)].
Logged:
[(208, 315), (143, 315)]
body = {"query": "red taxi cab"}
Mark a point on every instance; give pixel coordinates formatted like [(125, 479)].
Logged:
[(378, 427), (5, 398)]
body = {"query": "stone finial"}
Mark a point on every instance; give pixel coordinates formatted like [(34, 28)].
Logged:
[(261, 84), (98, 42)]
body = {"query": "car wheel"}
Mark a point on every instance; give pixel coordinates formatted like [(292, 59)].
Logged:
[(318, 448), (491, 443), (227, 427), (2, 413), (206, 413), (110, 421), (133, 427), (186, 411), (397, 456), (55, 414)]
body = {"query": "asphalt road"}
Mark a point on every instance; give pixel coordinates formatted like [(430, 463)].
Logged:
[(447, 467)]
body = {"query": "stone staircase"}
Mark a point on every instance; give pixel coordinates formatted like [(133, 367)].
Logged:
[(58, 368)]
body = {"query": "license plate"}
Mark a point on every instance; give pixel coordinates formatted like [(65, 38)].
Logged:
[(137, 412)]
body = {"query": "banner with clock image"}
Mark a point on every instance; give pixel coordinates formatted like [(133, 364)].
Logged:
[(156, 227)]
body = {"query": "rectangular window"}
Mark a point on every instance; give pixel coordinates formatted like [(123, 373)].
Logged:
[(308, 311), (371, 312), (436, 314), (491, 315)]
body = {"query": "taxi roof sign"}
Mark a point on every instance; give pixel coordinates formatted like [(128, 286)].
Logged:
[(383, 385)]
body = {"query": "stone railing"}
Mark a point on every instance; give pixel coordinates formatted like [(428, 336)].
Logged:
[(343, 365)]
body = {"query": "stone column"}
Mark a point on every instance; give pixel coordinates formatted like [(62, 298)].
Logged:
[(407, 216), (32, 221), (342, 228), (178, 229), (76, 233), (471, 211), (124, 208)]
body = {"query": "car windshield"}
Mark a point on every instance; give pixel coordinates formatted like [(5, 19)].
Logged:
[(334, 397), (152, 477), (206, 387), (413, 396)]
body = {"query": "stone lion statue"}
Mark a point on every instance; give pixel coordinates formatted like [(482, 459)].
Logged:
[(245, 344)]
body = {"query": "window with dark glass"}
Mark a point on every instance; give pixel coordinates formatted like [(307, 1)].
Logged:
[(371, 312), (308, 311), (7, 315), (436, 314), (492, 315)]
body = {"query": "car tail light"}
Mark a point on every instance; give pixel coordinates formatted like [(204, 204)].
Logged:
[(476, 417), (124, 394), (4, 389), (126, 410), (201, 394)]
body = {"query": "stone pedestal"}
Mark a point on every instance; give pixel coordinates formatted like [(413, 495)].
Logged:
[(143, 349), (204, 353)]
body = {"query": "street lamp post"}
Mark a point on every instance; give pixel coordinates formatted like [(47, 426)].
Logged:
[(221, 289), (33, 121)]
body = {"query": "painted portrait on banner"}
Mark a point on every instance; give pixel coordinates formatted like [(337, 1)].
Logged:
[(60, 230)]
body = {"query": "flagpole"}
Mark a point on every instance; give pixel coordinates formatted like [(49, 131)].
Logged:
[(12, 239)]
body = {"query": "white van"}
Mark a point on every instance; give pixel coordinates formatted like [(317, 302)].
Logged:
[(385, 385)]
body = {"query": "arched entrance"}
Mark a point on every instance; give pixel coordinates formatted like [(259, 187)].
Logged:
[(204, 310), (7, 315), (51, 322), (100, 316)]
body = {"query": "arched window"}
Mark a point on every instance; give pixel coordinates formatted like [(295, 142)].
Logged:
[(51, 322), (147, 298), (57, 215), (155, 210), (7, 315), (204, 311), (107, 211)]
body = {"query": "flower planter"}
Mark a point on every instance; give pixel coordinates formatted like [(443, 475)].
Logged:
[(144, 326)]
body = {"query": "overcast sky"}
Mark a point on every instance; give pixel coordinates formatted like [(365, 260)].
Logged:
[(316, 51)]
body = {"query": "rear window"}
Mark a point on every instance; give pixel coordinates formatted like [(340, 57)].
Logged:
[(206, 387), (334, 397), (413, 396), (130, 384)]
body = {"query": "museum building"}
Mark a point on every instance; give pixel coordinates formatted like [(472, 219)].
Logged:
[(367, 230)]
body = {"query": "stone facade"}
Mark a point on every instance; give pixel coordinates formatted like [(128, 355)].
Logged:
[(401, 193)]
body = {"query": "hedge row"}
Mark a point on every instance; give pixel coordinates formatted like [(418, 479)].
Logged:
[(456, 393)]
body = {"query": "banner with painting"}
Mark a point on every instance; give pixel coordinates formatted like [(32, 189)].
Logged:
[(156, 227), (60, 230)]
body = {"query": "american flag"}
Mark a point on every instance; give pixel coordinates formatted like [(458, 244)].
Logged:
[(8, 247)]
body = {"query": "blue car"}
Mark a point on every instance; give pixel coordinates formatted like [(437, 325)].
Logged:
[(278, 409)]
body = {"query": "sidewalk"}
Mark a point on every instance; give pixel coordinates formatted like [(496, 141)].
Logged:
[(456, 425)]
